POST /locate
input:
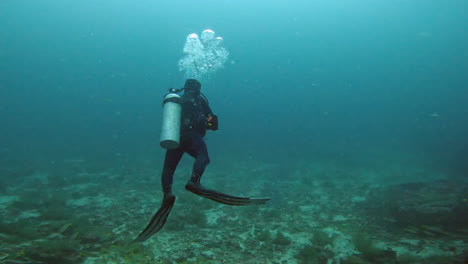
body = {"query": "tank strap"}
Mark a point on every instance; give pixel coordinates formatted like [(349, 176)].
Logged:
[(204, 97), (172, 99)]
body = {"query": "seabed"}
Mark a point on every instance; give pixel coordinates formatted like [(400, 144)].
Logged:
[(321, 212)]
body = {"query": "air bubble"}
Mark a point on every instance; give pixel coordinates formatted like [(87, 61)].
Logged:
[(203, 56)]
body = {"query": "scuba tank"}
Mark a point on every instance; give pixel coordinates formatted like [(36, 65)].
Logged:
[(170, 129)]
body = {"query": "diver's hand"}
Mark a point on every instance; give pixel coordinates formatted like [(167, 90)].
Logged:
[(212, 122)]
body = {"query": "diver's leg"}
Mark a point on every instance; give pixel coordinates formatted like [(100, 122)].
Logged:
[(199, 151), (171, 161), (159, 218)]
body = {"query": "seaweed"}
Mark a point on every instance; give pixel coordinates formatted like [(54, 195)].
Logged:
[(88, 232), (3, 184), (321, 238), (55, 208), (281, 239), (365, 245), (55, 213), (175, 223), (133, 253), (369, 251), (409, 259), (57, 180), (54, 251), (355, 260), (197, 217), (311, 254), (21, 230), (29, 200), (263, 235)]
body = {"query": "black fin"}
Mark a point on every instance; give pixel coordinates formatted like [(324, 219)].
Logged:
[(223, 198), (158, 220)]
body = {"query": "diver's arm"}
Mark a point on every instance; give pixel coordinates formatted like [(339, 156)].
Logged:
[(212, 119), (206, 108)]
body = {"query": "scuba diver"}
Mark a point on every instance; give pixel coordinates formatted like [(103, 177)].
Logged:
[(196, 117)]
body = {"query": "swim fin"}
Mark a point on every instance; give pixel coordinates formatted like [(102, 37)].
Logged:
[(223, 198), (158, 220)]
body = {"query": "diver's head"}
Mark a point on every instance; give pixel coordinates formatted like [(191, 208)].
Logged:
[(192, 87)]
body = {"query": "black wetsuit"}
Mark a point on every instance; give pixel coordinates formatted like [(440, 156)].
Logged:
[(195, 112), (196, 118)]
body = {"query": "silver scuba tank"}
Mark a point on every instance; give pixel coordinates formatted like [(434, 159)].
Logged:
[(170, 129)]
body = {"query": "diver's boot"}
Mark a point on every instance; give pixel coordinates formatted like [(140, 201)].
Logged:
[(159, 218), (194, 186), (193, 182), (167, 190)]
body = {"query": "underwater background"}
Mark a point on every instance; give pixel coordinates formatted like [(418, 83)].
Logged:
[(351, 115)]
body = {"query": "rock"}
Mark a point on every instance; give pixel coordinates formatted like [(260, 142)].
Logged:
[(440, 203), (208, 254)]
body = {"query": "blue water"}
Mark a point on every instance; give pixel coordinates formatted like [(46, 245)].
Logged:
[(356, 81), (86, 77)]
